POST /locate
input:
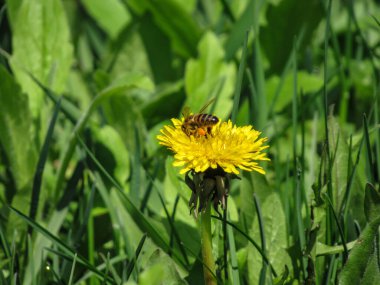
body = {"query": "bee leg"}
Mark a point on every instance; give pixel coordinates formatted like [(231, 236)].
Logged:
[(209, 128)]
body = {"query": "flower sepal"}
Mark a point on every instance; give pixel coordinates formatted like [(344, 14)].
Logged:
[(210, 185)]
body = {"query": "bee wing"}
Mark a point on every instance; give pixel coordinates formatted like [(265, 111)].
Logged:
[(206, 105), (186, 112)]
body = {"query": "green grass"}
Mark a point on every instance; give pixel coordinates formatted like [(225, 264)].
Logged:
[(87, 196)]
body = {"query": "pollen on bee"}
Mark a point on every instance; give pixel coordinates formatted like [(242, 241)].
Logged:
[(201, 132)]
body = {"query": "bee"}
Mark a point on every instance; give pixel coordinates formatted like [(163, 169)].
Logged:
[(198, 124)]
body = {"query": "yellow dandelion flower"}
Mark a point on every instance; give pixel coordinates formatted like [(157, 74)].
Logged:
[(228, 147)]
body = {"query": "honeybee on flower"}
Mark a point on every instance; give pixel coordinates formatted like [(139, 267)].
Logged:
[(212, 154), (199, 124)]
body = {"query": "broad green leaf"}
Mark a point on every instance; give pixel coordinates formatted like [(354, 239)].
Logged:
[(341, 16), (284, 22), (111, 152), (20, 152), (133, 78), (323, 249), (320, 219), (78, 90), (118, 88), (122, 221), (362, 266), (165, 105), (238, 7), (283, 278), (371, 203), (245, 22), (111, 15), (233, 210), (160, 59), (41, 46), (249, 184), (12, 8), (16, 136), (123, 114), (239, 30), (161, 269), (242, 118), (362, 80), (276, 237), (128, 122), (242, 256), (130, 230), (43, 241), (130, 54), (210, 76), (85, 57), (124, 117), (339, 150), (188, 6), (306, 82), (339, 153), (140, 6), (179, 25), (137, 6)]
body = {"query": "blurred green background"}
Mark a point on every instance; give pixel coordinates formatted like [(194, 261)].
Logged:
[(87, 196)]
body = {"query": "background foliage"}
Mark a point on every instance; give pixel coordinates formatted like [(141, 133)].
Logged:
[(88, 196)]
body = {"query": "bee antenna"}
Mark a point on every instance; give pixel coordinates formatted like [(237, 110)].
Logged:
[(207, 104)]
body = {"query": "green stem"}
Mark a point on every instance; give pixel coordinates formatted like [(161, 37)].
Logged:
[(206, 242)]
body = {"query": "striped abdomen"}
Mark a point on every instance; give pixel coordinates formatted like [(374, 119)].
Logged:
[(204, 120)]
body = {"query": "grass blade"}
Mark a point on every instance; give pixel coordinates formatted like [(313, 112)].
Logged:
[(329, 225), (4, 244), (132, 263), (80, 125), (347, 198), (174, 230), (58, 242), (253, 97), (371, 170), (239, 80), (101, 267), (227, 9), (72, 270), (41, 165), (69, 110), (262, 237), (345, 252), (133, 210), (110, 268), (233, 257), (136, 170), (259, 249), (196, 256), (148, 191), (258, 72), (327, 28)]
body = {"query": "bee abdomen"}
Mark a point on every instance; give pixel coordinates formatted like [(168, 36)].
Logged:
[(206, 118)]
